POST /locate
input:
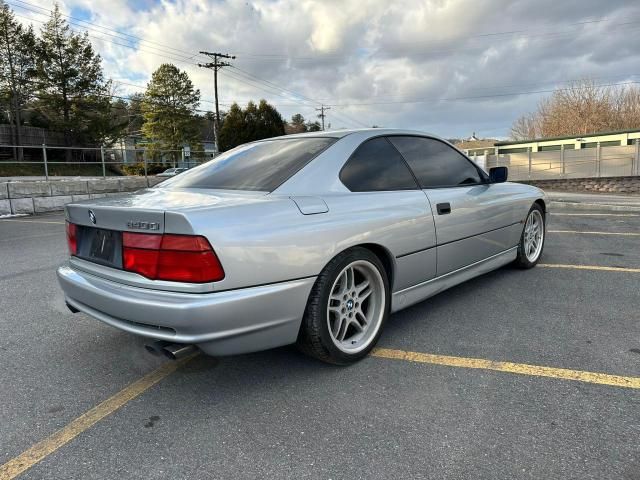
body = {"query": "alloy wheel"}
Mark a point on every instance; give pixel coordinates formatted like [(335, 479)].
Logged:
[(356, 306), (533, 235)]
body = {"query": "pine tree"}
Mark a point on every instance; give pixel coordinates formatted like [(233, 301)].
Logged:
[(252, 123), (270, 122), (233, 131), (72, 91), (169, 109), (17, 69)]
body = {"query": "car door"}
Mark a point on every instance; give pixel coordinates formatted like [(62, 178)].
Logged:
[(474, 219), (385, 190)]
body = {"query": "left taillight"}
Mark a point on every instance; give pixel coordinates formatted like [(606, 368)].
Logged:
[(72, 238), (177, 258)]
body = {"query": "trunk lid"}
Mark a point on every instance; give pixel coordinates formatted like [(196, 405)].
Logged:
[(153, 210)]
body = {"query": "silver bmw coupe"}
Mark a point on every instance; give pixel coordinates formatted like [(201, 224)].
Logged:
[(311, 239)]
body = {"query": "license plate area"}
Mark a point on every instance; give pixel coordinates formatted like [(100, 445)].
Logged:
[(100, 246)]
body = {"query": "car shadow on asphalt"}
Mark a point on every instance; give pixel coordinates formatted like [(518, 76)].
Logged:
[(288, 359)]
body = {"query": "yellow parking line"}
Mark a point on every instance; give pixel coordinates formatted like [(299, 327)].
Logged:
[(596, 214), (509, 367), (46, 447), (590, 267), (29, 221), (631, 234)]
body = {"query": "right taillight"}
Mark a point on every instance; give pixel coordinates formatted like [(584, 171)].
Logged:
[(178, 258), (72, 238)]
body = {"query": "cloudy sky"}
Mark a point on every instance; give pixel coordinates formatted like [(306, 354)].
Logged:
[(450, 67)]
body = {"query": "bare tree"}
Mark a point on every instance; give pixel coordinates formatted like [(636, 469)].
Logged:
[(628, 108), (581, 108), (524, 128)]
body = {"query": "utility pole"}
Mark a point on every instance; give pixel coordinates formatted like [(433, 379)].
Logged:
[(215, 66), (322, 114)]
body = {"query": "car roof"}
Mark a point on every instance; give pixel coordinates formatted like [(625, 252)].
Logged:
[(365, 132)]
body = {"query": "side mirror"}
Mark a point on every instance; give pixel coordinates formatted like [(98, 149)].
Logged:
[(498, 174)]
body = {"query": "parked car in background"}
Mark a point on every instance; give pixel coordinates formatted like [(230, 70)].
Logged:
[(311, 239), (171, 172)]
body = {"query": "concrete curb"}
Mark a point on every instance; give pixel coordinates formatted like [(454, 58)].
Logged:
[(557, 205)]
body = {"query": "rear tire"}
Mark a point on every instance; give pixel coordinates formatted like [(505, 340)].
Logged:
[(347, 308), (532, 238)]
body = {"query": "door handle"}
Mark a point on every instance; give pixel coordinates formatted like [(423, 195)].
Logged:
[(443, 208)]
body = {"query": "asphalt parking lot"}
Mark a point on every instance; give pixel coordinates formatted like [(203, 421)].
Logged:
[(80, 399)]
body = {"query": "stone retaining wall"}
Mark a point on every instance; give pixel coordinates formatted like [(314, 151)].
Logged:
[(48, 196), (602, 184)]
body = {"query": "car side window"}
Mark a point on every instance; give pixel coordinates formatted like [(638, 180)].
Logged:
[(436, 164), (377, 166)]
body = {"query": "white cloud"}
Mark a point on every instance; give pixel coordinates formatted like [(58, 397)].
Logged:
[(374, 51)]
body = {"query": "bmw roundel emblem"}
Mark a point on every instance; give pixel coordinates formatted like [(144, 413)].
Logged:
[(92, 217)]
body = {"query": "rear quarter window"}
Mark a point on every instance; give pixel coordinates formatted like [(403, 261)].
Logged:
[(377, 166), (259, 166)]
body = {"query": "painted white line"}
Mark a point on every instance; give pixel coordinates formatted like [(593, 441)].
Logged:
[(596, 214), (627, 234), (589, 267)]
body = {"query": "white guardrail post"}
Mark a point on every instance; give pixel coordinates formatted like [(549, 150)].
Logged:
[(562, 159), (598, 154), (529, 153), (44, 158), (637, 162)]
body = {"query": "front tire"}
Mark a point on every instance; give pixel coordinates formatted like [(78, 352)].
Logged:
[(532, 238), (347, 308)]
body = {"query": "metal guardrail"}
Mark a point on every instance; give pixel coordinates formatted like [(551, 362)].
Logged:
[(106, 157)]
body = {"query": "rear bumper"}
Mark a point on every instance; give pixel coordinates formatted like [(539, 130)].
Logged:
[(220, 323)]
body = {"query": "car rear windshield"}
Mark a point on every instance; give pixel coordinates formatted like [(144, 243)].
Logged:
[(261, 166)]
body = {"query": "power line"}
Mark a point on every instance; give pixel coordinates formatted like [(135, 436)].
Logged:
[(186, 56), (296, 94), (135, 37), (137, 49), (343, 115), (450, 99), (403, 47), (271, 88)]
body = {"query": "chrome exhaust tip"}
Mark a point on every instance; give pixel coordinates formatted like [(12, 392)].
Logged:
[(176, 351)]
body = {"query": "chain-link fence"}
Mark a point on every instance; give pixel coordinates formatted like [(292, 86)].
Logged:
[(612, 161), (52, 161)]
